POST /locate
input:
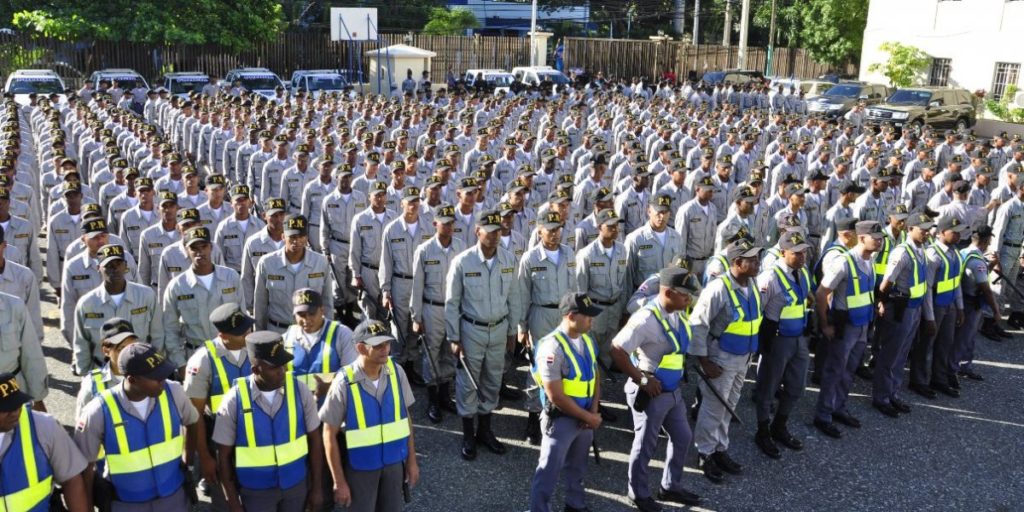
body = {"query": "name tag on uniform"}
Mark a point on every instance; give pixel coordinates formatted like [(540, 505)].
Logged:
[(316, 275), (80, 278), (472, 274), (397, 240), (186, 297), (174, 269), (596, 264), (364, 228), (60, 231), (622, 262), (22, 235), (571, 264), (94, 315), (257, 254), (458, 230), (275, 278), (507, 270), (230, 237), (642, 247), (432, 262), (536, 269), (698, 219), (228, 290), (131, 228), (332, 205), (155, 245), (360, 205), (139, 311)]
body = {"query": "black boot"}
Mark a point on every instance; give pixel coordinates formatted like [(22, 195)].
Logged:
[(444, 397), (485, 436), (433, 407), (414, 378), (763, 439), (468, 439), (533, 429), (781, 434)]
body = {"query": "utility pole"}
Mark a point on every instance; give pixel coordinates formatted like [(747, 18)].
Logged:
[(696, 22), (744, 28), (771, 42), (678, 21), (533, 33), (727, 29)]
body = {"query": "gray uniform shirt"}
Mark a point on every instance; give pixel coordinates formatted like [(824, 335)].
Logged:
[(900, 272), (20, 350), (186, 305), (482, 292), (279, 279), (602, 275), (398, 245), (230, 237), (696, 229), (19, 281), (152, 243), (138, 305), (429, 272), (256, 247), (133, 222), (648, 255), (644, 337), (366, 239), (199, 371)]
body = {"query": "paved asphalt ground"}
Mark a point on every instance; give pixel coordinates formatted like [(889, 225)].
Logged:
[(948, 454)]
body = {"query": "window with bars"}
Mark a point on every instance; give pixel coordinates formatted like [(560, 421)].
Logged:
[(1006, 74), (939, 75)]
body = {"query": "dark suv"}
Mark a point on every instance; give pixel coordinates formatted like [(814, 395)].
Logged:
[(840, 98), (939, 107)]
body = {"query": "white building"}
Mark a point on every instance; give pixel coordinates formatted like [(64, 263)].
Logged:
[(974, 44), (515, 16)]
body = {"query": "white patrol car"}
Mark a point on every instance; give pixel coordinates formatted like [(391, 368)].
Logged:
[(42, 82)]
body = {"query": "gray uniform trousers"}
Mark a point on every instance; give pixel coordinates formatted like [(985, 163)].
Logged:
[(842, 357), (603, 328), (174, 503), (711, 432), (435, 341), (785, 362), (1009, 261), (344, 293), (275, 500), (929, 358), (484, 350), (563, 450), (966, 335), (376, 491), (369, 299), (406, 349), (895, 345), (665, 410), (541, 322)]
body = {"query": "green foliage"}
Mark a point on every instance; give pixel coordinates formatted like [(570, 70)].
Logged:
[(906, 64), (450, 22), (1003, 110), (832, 31), (14, 57), (237, 25)]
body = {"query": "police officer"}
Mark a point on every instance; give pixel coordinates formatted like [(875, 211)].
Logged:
[(138, 425), (726, 321), (20, 233), (696, 222), (566, 368), (431, 262), (366, 236), (400, 239), (658, 336), (36, 452), (61, 229), (266, 241), (320, 347), (786, 293), (201, 288), (1008, 234), (338, 208), (22, 353), (906, 304), (19, 281), (159, 236), (601, 275), (232, 232), (977, 293), (175, 258), (269, 409), (117, 334), (138, 217), (651, 247), (930, 357), (482, 309), (370, 477), (288, 269), (211, 371), (546, 273), (313, 199)]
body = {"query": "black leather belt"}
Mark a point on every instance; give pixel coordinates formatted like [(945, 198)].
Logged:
[(1011, 244), (367, 265), (401, 276), (433, 302), (278, 324), (483, 324), (603, 303), (336, 239), (548, 306)]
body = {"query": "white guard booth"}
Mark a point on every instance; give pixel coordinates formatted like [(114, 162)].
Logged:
[(389, 65)]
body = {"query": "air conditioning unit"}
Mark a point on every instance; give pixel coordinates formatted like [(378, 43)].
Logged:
[(1018, 99)]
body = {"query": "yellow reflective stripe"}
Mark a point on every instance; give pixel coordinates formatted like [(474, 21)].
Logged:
[(947, 284), (578, 387), (289, 395), (28, 497), (742, 326), (568, 353), (127, 461), (672, 361), (97, 381), (275, 454), (858, 299), (326, 350), (222, 376), (917, 289), (243, 396), (797, 308), (115, 417), (29, 455), (394, 394), (377, 434), (668, 330), (357, 398)]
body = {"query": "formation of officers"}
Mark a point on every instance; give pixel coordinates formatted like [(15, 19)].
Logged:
[(250, 287)]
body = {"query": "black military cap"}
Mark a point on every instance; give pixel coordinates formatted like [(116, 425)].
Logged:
[(489, 221), (116, 330), (296, 225), (166, 196), (578, 303), (71, 187), (952, 223), (146, 183), (239, 191), (11, 395), (411, 194), (609, 217), (679, 279), (899, 212), (110, 252), (793, 242), (661, 203), (216, 180), (846, 224), (516, 185), (230, 318), (187, 215), (468, 184), (444, 213), (372, 333), (869, 227), (267, 346), (745, 193), (551, 220), (602, 194), (305, 300), (92, 227), (920, 220), (848, 186), (742, 248), (197, 234), (378, 187), (143, 361), (273, 205)]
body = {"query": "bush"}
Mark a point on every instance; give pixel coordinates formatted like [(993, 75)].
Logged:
[(1003, 110)]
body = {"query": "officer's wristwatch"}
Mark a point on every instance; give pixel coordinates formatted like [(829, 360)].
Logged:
[(643, 381)]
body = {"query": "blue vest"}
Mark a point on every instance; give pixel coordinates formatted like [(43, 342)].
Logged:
[(741, 336), (796, 300), (670, 368), (377, 433), (26, 479), (919, 276), (947, 276), (269, 440), (143, 465), (860, 293), (224, 375)]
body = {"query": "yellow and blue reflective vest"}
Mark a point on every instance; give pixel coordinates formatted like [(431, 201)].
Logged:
[(793, 317), (670, 368), (579, 384), (143, 457), (26, 478), (741, 335), (322, 360), (860, 293), (919, 283), (947, 277), (223, 375), (376, 433), (270, 452)]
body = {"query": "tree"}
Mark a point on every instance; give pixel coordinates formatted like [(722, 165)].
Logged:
[(906, 64), (832, 31), (450, 22), (237, 25)]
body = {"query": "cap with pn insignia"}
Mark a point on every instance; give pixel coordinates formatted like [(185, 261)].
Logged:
[(678, 279), (869, 227), (296, 225), (273, 205), (305, 300), (230, 318), (489, 221), (141, 360), (578, 303), (267, 346), (661, 203), (372, 333), (444, 213), (116, 330), (197, 234), (741, 249), (11, 395), (93, 227), (110, 252)]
